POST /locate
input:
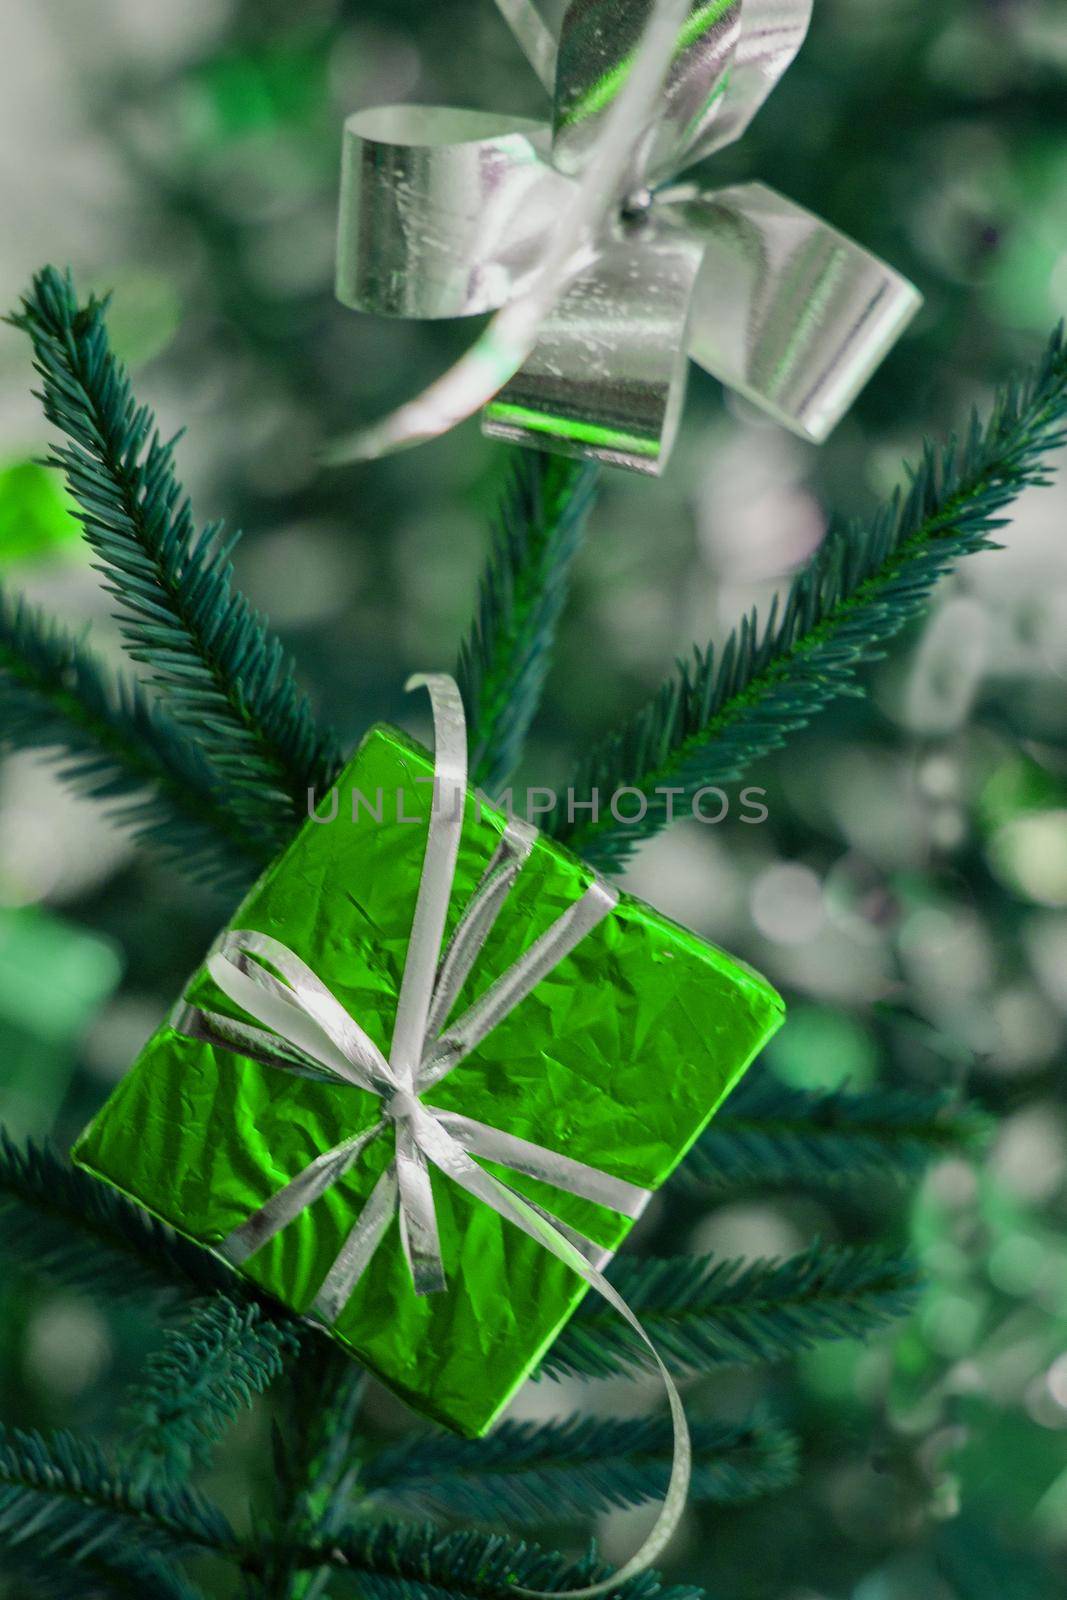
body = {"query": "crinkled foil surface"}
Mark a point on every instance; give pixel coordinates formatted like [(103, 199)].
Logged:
[(619, 1059)]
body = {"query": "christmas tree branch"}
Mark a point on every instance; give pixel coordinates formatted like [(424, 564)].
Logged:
[(720, 713), (225, 675), (69, 1226), (116, 745), (527, 1472), (393, 1560), (316, 1467), (90, 1578), (708, 1313), (768, 1134), (213, 1362), (64, 1497), (503, 662)]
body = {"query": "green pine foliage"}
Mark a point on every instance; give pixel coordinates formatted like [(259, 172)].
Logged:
[(503, 662), (63, 1224), (226, 677), (976, 1565), (768, 1135), (398, 1561), (62, 1497), (223, 1352), (217, 769), (115, 744), (213, 1363), (724, 710), (524, 1472), (43, 1577), (316, 1469), (706, 1313)]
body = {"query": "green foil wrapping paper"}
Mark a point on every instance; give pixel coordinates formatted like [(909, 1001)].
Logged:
[(618, 1059)]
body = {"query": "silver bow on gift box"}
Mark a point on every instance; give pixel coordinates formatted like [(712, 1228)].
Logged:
[(609, 277)]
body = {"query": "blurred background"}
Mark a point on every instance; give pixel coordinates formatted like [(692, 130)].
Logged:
[(909, 892)]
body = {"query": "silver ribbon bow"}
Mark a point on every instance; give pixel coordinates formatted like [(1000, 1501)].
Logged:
[(306, 1030), (610, 280)]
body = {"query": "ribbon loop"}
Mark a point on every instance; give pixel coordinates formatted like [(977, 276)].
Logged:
[(438, 869), (598, 46), (263, 997), (771, 34), (443, 213), (812, 315)]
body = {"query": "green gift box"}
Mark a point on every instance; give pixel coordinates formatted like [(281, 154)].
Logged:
[(617, 1059)]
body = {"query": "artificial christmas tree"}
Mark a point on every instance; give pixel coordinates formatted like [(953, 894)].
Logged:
[(78, 1522)]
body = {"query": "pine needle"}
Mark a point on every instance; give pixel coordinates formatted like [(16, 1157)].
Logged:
[(61, 1498), (90, 1578), (213, 1363), (527, 1472), (226, 677), (503, 662), (768, 1134), (115, 744), (70, 1227), (396, 1561), (316, 1466), (724, 710), (705, 1313)]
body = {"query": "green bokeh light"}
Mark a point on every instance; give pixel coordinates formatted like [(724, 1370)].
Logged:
[(36, 519), (823, 1049)]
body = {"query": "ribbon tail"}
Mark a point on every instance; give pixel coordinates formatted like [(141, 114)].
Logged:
[(787, 311), (285, 1206), (511, 336), (358, 1250), (570, 1249), (520, 980), (418, 1218), (465, 388), (674, 1502), (548, 1166), (477, 922)]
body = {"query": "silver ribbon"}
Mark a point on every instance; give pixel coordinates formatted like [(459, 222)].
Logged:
[(299, 1026), (605, 279)]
